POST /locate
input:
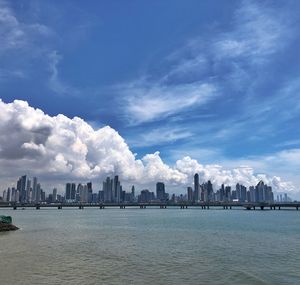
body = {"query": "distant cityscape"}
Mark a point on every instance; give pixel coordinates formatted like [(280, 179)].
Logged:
[(30, 191)]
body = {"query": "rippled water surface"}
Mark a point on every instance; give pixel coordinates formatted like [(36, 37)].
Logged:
[(151, 246)]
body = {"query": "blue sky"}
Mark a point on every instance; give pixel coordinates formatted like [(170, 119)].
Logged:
[(214, 80)]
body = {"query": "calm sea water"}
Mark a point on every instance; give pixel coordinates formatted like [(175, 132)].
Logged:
[(151, 246)]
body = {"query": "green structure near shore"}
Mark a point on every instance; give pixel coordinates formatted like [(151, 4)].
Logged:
[(6, 224)]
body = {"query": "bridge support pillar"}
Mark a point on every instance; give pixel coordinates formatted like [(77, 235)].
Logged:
[(253, 207), (101, 207), (122, 207), (37, 207), (230, 207), (279, 208), (297, 208), (15, 207), (81, 207), (261, 207), (59, 207)]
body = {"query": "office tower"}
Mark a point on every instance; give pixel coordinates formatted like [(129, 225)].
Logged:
[(28, 188), (54, 195), (8, 195), (43, 196), (210, 191), (89, 192), (133, 192), (21, 187), (260, 189), (116, 189), (222, 193), (13, 195), (160, 191), (190, 194), (243, 196), (238, 191), (227, 193), (38, 192), (17, 195), (68, 192), (4, 196), (73, 192), (196, 187), (107, 189), (101, 196), (248, 196), (252, 194), (34, 186)]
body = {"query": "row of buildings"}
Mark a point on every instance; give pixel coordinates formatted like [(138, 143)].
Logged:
[(204, 192), (30, 191), (26, 191)]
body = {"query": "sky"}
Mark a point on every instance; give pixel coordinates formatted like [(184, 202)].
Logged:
[(152, 91)]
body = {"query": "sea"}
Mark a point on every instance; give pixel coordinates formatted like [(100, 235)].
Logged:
[(151, 246)]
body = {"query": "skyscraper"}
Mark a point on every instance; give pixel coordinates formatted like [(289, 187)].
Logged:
[(190, 194), (107, 189), (21, 187), (196, 187), (54, 195), (160, 191), (89, 192), (133, 192), (34, 186), (116, 189)]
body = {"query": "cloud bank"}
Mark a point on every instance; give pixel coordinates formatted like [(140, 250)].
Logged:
[(61, 149)]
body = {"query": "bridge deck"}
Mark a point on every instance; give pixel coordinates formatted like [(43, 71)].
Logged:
[(183, 205)]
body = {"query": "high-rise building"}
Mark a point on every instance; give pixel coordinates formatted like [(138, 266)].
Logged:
[(116, 189), (107, 190), (34, 187), (21, 187), (133, 192), (160, 191), (190, 194), (89, 192), (68, 192), (196, 187), (54, 195), (38, 192)]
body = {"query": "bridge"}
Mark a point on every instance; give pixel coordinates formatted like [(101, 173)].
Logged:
[(162, 205)]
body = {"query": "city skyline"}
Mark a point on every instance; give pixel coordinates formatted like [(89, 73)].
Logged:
[(215, 92), (112, 191)]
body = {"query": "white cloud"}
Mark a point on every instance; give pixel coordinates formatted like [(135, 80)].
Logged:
[(15, 34), (55, 82), (146, 103), (258, 32), (59, 149), (160, 136)]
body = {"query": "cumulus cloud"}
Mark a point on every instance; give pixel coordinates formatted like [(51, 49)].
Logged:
[(60, 149)]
